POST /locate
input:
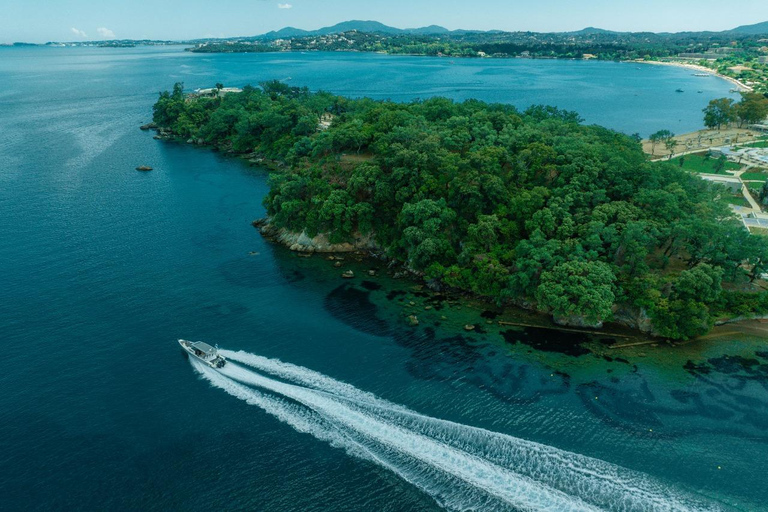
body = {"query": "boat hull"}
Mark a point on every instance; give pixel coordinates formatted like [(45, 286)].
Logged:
[(213, 360)]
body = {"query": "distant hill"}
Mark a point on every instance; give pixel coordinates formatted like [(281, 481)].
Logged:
[(360, 26), (346, 26), (375, 26), (430, 30), (370, 26), (593, 30), (757, 28), (286, 33)]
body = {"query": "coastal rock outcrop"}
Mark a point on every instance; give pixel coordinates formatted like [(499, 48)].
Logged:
[(301, 242), (577, 321), (634, 318)]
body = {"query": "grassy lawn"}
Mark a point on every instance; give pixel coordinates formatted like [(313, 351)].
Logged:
[(758, 144), (756, 187), (698, 163), (738, 200), (756, 174)]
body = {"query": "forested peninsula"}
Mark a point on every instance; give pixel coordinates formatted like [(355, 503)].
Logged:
[(529, 208)]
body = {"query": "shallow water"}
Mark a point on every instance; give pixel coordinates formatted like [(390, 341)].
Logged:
[(103, 268)]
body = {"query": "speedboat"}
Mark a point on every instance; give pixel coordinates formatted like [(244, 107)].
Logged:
[(204, 352)]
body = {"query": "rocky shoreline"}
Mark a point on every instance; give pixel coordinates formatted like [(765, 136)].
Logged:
[(624, 316), (320, 243), (366, 246)]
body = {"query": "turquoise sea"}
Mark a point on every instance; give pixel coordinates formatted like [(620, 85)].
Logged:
[(102, 268)]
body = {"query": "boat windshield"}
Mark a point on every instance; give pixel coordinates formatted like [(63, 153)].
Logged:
[(204, 348)]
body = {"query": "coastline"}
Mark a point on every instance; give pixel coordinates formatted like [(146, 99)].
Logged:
[(635, 321), (696, 67), (741, 86), (300, 241), (628, 325)]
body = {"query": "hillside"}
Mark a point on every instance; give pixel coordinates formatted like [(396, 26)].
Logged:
[(371, 27), (755, 29), (380, 28)]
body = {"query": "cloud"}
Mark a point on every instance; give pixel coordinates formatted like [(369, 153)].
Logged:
[(105, 33), (78, 32), (284, 6)]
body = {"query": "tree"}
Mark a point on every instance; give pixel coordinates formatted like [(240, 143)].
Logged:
[(582, 289), (752, 109), (684, 313), (426, 228), (680, 319), (719, 112), (520, 208), (336, 215), (169, 106), (661, 136), (720, 163), (655, 138), (670, 144), (702, 283)]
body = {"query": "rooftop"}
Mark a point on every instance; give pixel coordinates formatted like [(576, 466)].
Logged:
[(204, 347)]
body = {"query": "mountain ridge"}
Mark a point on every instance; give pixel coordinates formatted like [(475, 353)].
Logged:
[(754, 29), (358, 25), (372, 26)]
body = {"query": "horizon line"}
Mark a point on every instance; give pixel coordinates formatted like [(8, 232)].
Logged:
[(183, 40)]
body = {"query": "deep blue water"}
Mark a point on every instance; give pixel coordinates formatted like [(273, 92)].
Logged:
[(102, 268)]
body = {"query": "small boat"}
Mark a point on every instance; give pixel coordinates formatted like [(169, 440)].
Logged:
[(701, 74), (678, 90), (204, 353)]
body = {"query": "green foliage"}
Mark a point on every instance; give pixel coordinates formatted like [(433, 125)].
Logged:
[(681, 319), (755, 175), (753, 108), (662, 136), (719, 112), (517, 206), (578, 289)]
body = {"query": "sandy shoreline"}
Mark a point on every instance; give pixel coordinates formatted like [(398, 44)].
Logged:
[(740, 85), (702, 140)]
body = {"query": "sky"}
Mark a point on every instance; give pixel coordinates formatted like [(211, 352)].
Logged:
[(40, 21)]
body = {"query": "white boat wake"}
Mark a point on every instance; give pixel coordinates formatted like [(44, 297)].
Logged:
[(461, 467)]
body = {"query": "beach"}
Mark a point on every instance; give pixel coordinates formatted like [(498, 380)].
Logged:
[(701, 140), (703, 69)]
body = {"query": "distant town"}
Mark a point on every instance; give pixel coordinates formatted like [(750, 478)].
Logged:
[(740, 54)]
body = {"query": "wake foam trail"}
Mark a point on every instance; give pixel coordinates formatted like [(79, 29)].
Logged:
[(448, 493), (308, 378), (301, 419), (462, 467)]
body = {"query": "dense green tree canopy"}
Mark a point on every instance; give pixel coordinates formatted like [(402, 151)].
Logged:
[(720, 111), (526, 206), (753, 108)]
